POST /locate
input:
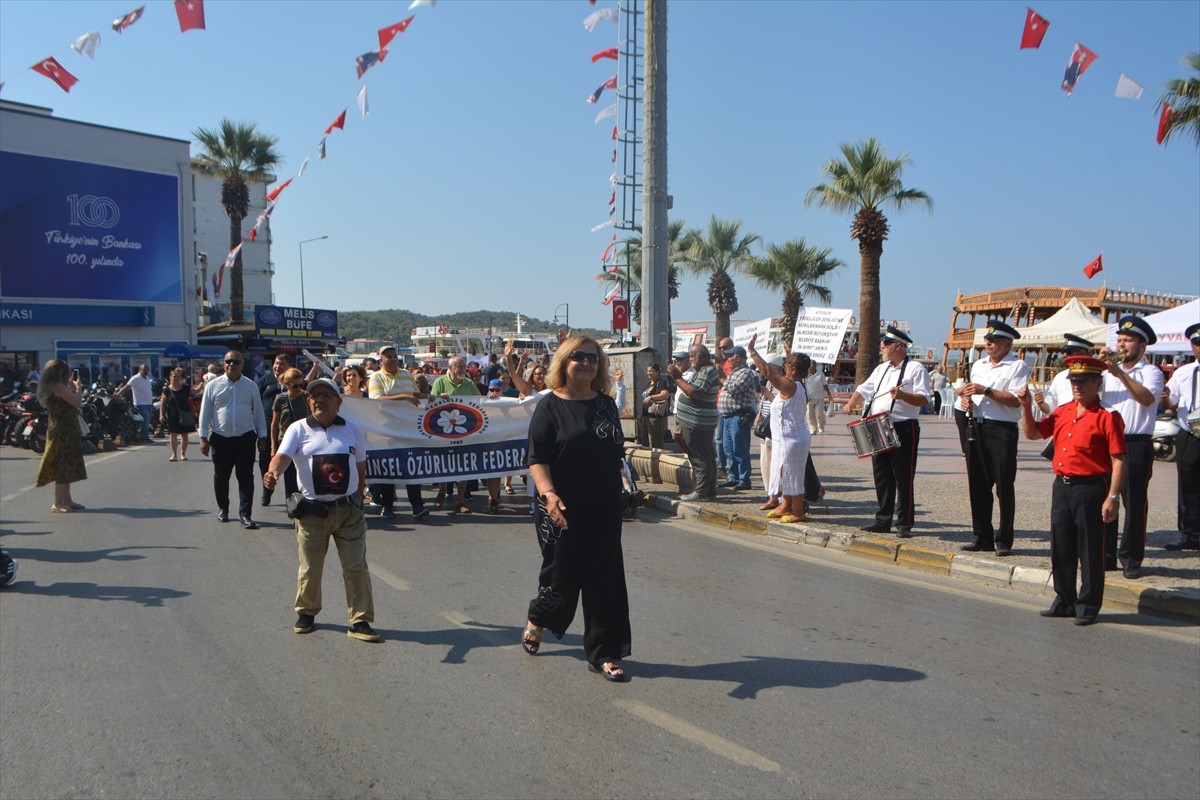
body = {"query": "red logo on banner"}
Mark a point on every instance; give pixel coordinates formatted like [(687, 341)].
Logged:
[(620, 315)]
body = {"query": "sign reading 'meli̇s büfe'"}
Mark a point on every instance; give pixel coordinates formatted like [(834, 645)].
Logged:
[(295, 323)]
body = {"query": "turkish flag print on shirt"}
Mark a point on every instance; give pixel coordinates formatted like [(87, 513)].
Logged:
[(55, 72)]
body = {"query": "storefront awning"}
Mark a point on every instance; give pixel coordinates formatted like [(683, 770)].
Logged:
[(184, 350)]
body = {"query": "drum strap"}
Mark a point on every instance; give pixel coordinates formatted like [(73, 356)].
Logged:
[(899, 380)]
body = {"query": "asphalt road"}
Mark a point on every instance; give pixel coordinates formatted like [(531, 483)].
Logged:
[(146, 651)]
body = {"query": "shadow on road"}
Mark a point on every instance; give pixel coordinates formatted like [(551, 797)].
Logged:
[(768, 672), (148, 596), (142, 512), (87, 556)]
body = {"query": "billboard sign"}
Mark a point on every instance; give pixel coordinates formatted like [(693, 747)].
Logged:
[(76, 231), (295, 323)]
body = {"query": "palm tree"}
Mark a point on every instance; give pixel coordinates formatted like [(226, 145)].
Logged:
[(860, 184), (1183, 96), (236, 152), (720, 252), (799, 269)]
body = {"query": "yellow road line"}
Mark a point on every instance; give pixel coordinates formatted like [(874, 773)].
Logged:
[(685, 730)]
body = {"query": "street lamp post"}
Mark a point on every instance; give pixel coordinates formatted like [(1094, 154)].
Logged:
[(306, 241), (566, 316)]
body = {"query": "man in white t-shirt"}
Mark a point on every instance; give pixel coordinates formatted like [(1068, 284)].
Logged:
[(817, 387), (142, 390)]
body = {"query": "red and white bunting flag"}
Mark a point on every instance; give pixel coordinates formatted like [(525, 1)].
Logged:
[(1128, 88), (121, 23), (55, 72), (419, 3), (1095, 266), (87, 44), (611, 294), (367, 60), (262, 218), (1164, 122), (608, 251), (387, 34), (273, 195), (1081, 59), (614, 136), (608, 223), (612, 200), (600, 15), (191, 14), (609, 53), (363, 108), (340, 122), (1035, 30), (607, 112)]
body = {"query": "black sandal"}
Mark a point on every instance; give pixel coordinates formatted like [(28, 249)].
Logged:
[(612, 673), (531, 643)]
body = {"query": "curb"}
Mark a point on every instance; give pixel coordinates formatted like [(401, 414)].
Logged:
[(1179, 604)]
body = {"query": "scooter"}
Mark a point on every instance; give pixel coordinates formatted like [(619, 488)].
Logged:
[(1162, 440)]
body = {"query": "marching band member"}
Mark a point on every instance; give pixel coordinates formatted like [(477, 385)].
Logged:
[(1131, 389), (1181, 396), (991, 393), (900, 387)]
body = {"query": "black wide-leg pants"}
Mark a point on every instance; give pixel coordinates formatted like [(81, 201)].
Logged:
[(1077, 537), (992, 462), (894, 471), (584, 559), (1139, 466), (236, 455), (1187, 464)]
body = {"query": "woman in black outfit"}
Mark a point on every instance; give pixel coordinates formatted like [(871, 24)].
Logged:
[(175, 409), (575, 452)]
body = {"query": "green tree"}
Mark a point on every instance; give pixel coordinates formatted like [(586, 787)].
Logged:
[(720, 252), (861, 183), (236, 152), (799, 269), (1183, 96)]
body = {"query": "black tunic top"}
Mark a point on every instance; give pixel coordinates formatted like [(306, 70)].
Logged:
[(582, 444)]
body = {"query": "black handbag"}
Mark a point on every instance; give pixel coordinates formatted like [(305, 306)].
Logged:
[(762, 428)]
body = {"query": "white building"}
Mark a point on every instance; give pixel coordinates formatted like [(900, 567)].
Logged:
[(212, 239)]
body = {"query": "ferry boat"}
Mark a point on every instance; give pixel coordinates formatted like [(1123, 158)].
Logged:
[(475, 344)]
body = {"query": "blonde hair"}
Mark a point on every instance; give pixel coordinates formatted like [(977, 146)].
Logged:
[(178, 371), (289, 375), (556, 373), (54, 373)]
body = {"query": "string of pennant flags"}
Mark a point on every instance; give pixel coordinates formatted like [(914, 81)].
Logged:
[(1082, 58)]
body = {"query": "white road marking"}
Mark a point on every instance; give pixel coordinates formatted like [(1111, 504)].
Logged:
[(706, 739), (391, 579)]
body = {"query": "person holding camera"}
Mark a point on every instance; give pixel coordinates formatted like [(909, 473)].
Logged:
[(61, 394), (655, 405), (330, 456)]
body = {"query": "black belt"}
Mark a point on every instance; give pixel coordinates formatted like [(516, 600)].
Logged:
[(341, 501), (1138, 437), (1067, 480), (898, 422), (999, 422)]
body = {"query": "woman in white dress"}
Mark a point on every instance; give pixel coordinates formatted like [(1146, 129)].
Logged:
[(790, 436)]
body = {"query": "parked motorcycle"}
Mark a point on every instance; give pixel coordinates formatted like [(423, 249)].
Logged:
[(116, 418), (1162, 440)]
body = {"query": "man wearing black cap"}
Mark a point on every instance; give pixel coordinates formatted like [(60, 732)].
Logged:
[(1131, 388), (899, 387), (1089, 447), (990, 400), (1182, 395)]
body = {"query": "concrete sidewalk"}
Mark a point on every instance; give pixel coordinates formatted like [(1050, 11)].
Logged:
[(1170, 585)]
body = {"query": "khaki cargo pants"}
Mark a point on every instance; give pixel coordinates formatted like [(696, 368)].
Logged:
[(348, 528)]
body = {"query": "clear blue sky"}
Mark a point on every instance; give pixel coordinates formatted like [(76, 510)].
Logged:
[(479, 172)]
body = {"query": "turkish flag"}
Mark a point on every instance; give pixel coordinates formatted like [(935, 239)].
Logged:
[(1096, 266), (55, 72), (340, 122), (190, 13), (1163, 120), (387, 34), (609, 53), (1035, 30), (620, 315), (273, 195)]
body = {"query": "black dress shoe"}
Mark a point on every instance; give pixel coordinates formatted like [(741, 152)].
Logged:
[(1058, 611), (1186, 544), (266, 499), (1088, 620), (222, 516), (876, 527), (249, 524), (1131, 572), (903, 532), (1003, 551), (978, 547)]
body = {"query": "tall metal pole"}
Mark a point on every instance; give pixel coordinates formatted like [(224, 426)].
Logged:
[(306, 241), (656, 330)]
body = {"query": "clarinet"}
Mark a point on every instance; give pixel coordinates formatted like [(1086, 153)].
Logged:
[(971, 429)]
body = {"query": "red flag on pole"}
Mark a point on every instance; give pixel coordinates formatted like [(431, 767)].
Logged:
[(609, 53), (278, 190), (1163, 121), (620, 310), (190, 13), (55, 72), (1035, 30), (1096, 266), (340, 122), (387, 34)]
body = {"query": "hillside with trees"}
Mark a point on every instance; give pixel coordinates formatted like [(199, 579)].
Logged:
[(397, 324)]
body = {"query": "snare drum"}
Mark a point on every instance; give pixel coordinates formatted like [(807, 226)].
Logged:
[(873, 435)]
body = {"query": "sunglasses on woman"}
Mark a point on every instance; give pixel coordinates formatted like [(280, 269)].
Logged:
[(580, 357)]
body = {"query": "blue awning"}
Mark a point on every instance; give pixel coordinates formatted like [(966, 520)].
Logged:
[(184, 350)]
